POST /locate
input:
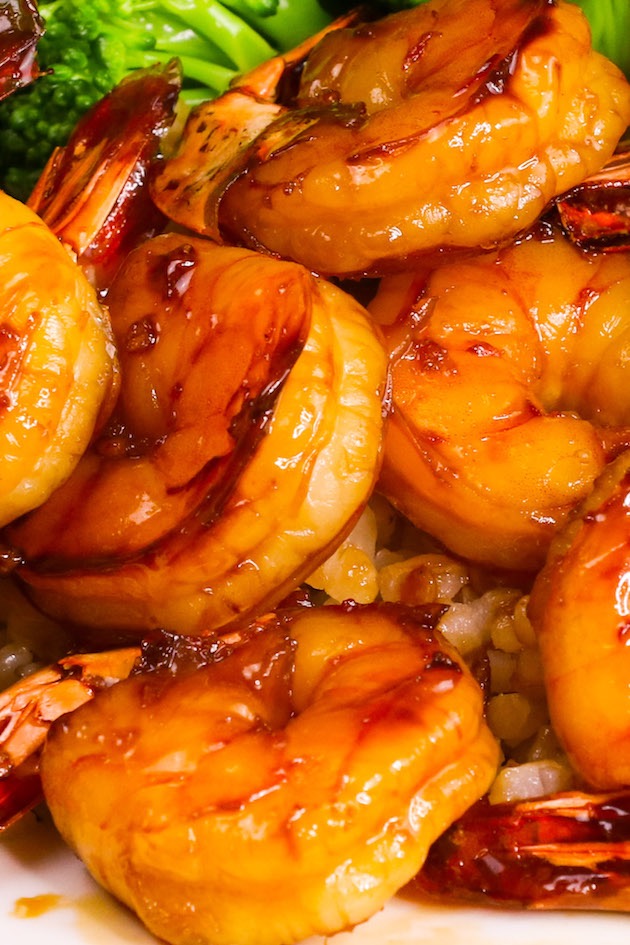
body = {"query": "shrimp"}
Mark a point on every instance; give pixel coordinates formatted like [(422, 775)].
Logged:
[(399, 149), (568, 851), (509, 384), (57, 365), (287, 789), (246, 441), (580, 610)]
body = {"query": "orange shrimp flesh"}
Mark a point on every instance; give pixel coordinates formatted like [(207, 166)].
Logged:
[(401, 148), (288, 789), (580, 609), (246, 441), (509, 384), (58, 366), (30, 706)]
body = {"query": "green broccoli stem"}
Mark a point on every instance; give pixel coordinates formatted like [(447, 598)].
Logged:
[(210, 75), (291, 23), (211, 19)]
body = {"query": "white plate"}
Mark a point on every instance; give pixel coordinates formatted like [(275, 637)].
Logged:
[(46, 898)]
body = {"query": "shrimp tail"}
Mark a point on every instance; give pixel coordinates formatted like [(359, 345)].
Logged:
[(567, 851), (596, 214), (30, 706), (189, 184), (92, 193), (20, 30)]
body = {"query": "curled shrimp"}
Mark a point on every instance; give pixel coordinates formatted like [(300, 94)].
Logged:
[(245, 441), (509, 389), (581, 611), (287, 789), (57, 364), (399, 148)]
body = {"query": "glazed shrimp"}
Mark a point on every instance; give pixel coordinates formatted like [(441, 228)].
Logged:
[(288, 789), (580, 609), (245, 443), (509, 393), (57, 364), (399, 148)]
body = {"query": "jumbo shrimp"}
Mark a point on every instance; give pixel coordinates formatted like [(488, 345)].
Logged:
[(246, 441), (58, 365), (287, 789), (509, 383), (399, 148)]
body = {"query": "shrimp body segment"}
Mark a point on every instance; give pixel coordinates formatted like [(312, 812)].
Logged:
[(247, 437), (509, 382), (400, 148), (57, 361), (580, 607), (287, 790)]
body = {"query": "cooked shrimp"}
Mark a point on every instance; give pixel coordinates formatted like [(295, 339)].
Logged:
[(245, 444), (401, 148), (568, 851), (56, 365), (288, 789), (580, 607), (510, 390), (31, 705)]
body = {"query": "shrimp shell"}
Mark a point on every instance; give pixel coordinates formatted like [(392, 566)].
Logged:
[(566, 851), (288, 789)]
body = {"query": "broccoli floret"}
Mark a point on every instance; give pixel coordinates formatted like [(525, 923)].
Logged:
[(90, 45)]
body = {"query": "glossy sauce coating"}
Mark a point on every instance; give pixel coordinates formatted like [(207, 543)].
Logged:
[(246, 440), (400, 148), (509, 386), (286, 789)]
